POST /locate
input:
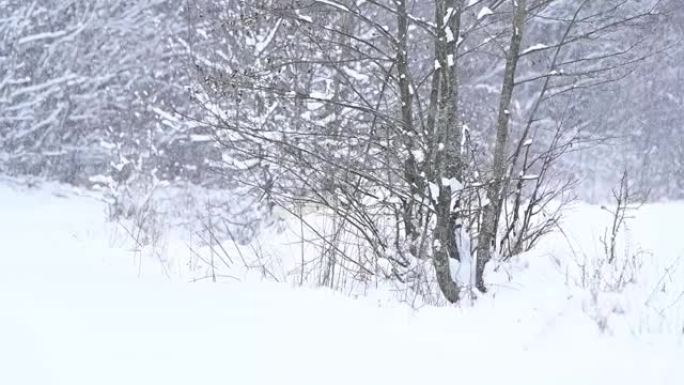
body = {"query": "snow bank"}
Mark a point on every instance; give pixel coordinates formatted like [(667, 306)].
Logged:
[(75, 309)]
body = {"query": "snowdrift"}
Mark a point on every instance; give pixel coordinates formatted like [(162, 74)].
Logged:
[(80, 305)]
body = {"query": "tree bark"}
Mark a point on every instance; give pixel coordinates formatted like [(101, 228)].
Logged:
[(448, 147), (492, 210), (411, 166)]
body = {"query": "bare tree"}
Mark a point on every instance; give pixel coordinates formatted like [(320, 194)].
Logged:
[(361, 107)]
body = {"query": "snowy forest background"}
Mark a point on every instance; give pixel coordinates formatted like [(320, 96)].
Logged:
[(88, 85), (429, 132)]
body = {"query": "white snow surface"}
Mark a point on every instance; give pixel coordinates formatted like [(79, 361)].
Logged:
[(76, 309)]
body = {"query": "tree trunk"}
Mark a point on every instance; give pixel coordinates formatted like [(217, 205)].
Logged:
[(447, 163), (411, 166), (492, 210)]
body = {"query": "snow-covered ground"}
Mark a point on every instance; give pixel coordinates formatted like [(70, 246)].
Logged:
[(75, 309)]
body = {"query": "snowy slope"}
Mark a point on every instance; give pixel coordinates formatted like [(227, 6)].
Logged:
[(74, 310)]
